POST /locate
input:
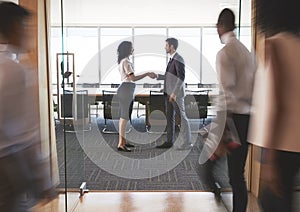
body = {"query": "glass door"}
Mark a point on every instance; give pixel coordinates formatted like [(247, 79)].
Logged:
[(84, 41)]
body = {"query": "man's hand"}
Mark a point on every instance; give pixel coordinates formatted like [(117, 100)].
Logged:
[(172, 97), (152, 75)]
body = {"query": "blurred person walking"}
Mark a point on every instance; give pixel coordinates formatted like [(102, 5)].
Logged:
[(276, 119), (236, 67), (21, 174)]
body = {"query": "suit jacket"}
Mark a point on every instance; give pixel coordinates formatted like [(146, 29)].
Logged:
[(174, 76)]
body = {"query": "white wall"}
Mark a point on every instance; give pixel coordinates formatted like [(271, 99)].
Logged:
[(15, 1), (145, 12)]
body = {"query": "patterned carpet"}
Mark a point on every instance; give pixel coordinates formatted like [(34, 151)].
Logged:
[(92, 157)]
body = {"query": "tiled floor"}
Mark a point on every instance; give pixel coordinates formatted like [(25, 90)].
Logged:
[(144, 202)]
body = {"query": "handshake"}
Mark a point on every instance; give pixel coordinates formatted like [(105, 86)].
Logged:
[(152, 75)]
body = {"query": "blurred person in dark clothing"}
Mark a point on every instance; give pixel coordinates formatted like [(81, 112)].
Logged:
[(235, 67), (275, 124), (21, 172)]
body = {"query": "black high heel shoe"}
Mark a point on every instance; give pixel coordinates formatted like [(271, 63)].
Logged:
[(124, 149), (129, 145)]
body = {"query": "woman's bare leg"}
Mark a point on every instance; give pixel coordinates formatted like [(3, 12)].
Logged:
[(122, 132)]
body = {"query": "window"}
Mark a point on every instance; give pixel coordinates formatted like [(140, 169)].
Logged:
[(95, 50), (210, 46), (83, 42), (189, 46), (149, 52), (110, 38)]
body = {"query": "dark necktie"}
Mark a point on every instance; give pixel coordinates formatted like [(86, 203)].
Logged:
[(169, 63)]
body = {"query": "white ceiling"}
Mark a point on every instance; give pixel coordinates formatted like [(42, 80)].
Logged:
[(142, 12), (15, 1)]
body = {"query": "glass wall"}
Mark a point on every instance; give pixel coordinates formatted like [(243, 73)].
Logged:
[(87, 47)]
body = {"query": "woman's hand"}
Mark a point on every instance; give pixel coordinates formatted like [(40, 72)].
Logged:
[(152, 75)]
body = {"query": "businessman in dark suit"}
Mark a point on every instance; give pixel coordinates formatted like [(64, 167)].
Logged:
[(174, 98)]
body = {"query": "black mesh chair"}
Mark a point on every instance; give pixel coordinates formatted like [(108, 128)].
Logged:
[(156, 113), (139, 107), (110, 109), (196, 104), (114, 85), (75, 108)]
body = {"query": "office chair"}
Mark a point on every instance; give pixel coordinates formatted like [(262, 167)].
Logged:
[(146, 85), (156, 112), (196, 105), (76, 110), (110, 109)]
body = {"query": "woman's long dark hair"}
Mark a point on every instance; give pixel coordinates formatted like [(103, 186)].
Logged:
[(124, 50)]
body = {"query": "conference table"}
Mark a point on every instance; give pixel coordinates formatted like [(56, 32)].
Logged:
[(196, 102)]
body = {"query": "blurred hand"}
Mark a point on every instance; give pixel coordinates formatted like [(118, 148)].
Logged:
[(172, 97), (152, 75)]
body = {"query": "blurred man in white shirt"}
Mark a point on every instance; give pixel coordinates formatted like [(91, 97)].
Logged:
[(236, 68)]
